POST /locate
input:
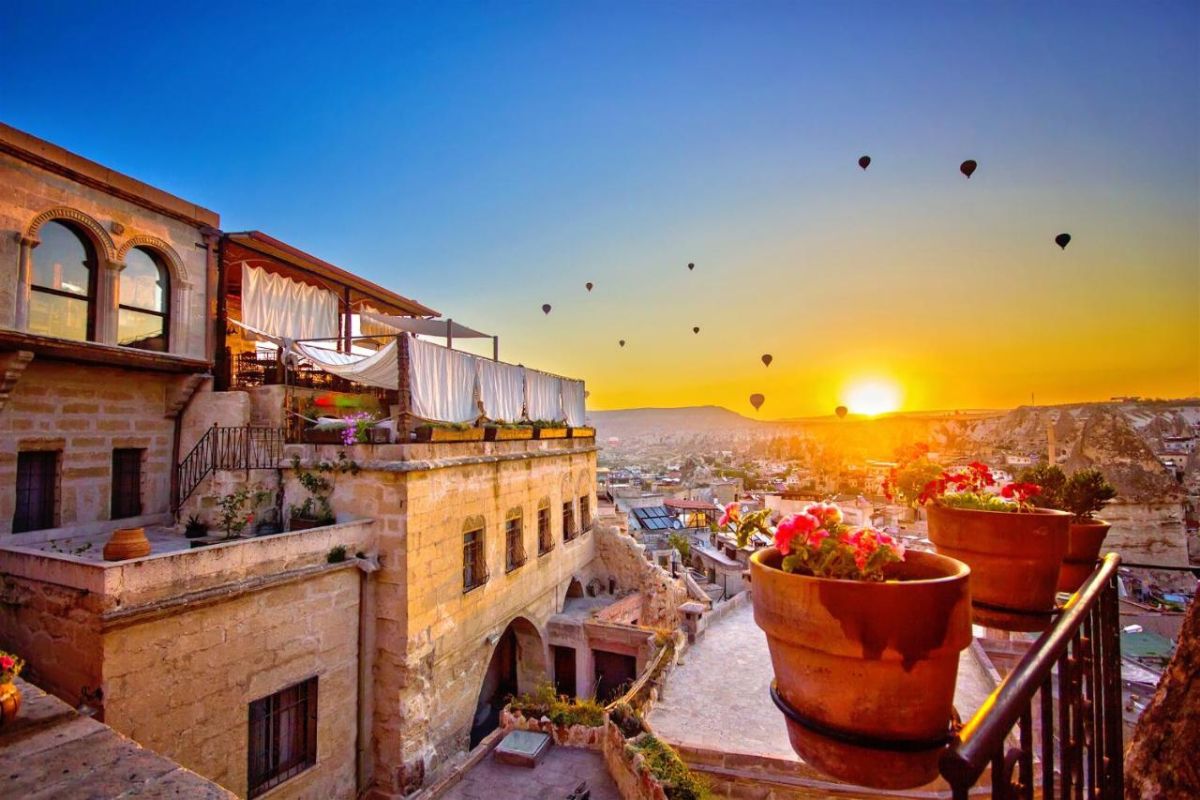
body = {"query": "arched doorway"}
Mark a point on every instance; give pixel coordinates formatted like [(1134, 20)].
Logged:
[(517, 664), (574, 589)]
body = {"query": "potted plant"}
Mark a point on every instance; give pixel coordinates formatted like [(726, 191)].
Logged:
[(233, 516), (506, 432), (583, 432), (1013, 548), (1082, 495), (10, 696), (864, 640), (316, 510), (195, 528), (549, 429), (449, 432)]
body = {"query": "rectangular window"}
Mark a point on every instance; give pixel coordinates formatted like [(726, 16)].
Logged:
[(514, 547), (126, 483), (37, 490), (474, 563), (568, 521), (585, 513), (545, 538), (283, 736)]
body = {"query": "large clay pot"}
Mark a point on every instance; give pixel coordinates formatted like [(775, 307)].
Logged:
[(1014, 556), (870, 660), (126, 543), (10, 702), (1083, 550)]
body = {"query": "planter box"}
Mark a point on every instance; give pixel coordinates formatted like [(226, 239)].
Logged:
[(494, 433), (583, 433), (312, 436), (431, 433), (303, 524), (549, 433)]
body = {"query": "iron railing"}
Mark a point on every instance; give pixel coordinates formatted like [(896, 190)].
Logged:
[(244, 447), (1062, 702)]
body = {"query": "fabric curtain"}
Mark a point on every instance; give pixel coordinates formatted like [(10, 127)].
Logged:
[(543, 396), (378, 369), (443, 382), (573, 403), (501, 390), (285, 308)]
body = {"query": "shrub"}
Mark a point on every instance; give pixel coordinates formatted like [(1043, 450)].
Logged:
[(337, 554), (679, 783), (627, 720), (544, 701)]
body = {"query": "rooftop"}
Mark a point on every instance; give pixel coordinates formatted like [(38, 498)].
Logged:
[(562, 769)]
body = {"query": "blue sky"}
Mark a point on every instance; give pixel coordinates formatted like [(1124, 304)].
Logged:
[(487, 158)]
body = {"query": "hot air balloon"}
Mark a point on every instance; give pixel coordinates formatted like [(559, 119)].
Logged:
[(1062, 240), (757, 400), (840, 411), (622, 343), (967, 167), (767, 359), (588, 285), (864, 162), (696, 329), (691, 267), (545, 308)]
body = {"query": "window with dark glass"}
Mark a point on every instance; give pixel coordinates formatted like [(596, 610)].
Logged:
[(126, 483), (37, 490), (514, 546), (61, 302), (585, 513), (474, 564), (568, 520), (545, 537), (283, 736), (144, 297)]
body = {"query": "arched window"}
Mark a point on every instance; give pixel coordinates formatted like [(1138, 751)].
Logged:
[(61, 302), (144, 301)]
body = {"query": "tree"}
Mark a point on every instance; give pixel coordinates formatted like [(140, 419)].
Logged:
[(681, 544), (1161, 761)]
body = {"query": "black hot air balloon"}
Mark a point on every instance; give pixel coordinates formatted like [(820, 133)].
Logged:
[(840, 411), (691, 267), (545, 308), (622, 343), (864, 162), (767, 359), (696, 329), (757, 400), (1062, 240), (967, 167), (588, 285)]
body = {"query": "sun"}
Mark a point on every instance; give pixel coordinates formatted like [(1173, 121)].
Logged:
[(872, 397)]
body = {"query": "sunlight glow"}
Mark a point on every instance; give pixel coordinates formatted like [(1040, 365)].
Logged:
[(872, 397)]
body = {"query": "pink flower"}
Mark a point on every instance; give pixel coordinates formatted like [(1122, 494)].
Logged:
[(792, 526), (731, 515), (7, 663), (816, 537), (828, 513)]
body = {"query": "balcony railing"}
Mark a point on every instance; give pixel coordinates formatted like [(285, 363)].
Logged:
[(1054, 727), (244, 447)]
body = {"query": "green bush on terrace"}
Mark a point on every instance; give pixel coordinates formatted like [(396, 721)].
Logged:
[(545, 702), (679, 782)]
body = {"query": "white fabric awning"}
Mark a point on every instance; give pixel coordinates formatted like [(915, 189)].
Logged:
[(378, 369), (286, 308), (424, 327)]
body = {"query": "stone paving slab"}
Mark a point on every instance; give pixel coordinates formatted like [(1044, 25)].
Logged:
[(554, 778)]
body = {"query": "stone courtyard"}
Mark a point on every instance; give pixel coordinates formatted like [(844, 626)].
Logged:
[(563, 769)]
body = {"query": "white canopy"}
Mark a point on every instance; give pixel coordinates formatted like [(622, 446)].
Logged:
[(286, 308), (424, 327)]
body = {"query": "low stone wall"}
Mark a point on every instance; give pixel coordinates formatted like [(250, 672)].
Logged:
[(562, 735), (628, 769)]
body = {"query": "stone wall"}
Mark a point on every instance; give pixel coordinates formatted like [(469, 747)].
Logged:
[(85, 413), (621, 558), (181, 684)]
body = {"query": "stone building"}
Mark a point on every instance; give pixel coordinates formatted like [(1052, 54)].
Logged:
[(364, 655)]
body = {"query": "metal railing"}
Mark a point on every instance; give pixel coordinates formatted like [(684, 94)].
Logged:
[(244, 447), (1062, 702)]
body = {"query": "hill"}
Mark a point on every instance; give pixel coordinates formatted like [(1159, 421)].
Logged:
[(635, 423)]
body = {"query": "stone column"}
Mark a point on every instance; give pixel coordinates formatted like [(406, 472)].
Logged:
[(24, 280), (181, 311), (108, 296)]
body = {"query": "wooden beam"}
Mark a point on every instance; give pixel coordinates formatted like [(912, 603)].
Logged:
[(403, 418)]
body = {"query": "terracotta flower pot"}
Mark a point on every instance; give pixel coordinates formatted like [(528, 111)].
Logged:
[(1083, 550), (10, 702), (126, 543), (1014, 557), (496, 433), (866, 659)]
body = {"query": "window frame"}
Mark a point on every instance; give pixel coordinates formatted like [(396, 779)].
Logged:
[(91, 261), (568, 520), (514, 541), (585, 513), (545, 528), (261, 776), (119, 481), (475, 572), (164, 275), (48, 471)]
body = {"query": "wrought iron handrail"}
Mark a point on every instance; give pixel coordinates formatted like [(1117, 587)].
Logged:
[(243, 447), (1081, 652)]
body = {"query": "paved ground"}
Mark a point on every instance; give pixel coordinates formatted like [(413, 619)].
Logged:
[(554, 778), (718, 697)]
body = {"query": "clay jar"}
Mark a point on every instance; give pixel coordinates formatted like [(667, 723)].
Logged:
[(1014, 556), (1083, 550), (10, 702), (867, 659), (126, 543)]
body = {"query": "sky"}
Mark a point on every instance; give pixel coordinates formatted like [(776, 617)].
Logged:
[(488, 158)]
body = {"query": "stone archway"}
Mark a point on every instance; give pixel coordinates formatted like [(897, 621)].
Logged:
[(517, 665), (574, 589)]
